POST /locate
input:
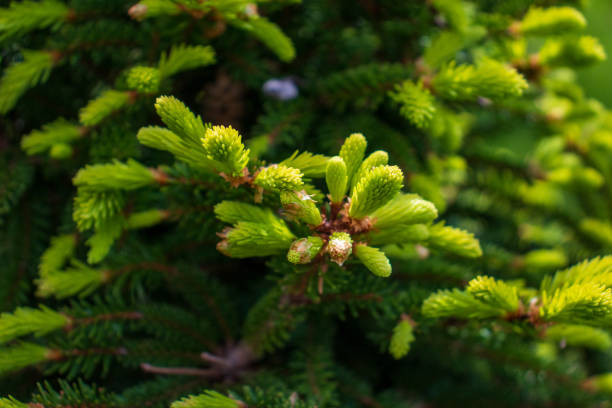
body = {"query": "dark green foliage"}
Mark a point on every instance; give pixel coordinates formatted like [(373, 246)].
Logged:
[(285, 204)]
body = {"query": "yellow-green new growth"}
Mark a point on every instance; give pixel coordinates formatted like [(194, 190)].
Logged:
[(121, 176), (10, 402), (457, 303), (336, 177), (60, 151), (374, 259), (300, 206), (404, 209), (233, 212), (52, 134), (209, 399), (145, 219), (599, 383), (22, 17), (542, 259), (25, 320), (247, 239), (416, 103), (224, 146), (76, 279), (489, 78), (586, 303), (22, 355), (401, 339), (579, 335), (144, 79), (378, 158), (551, 21), (353, 152), (181, 121), (374, 190), (21, 76), (495, 293), (62, 247), (398, 234), (277, 178), (453, 240), (101, 107), (596, 270), (304, 250), (339, 247)]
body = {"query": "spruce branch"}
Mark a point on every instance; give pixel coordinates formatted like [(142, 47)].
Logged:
[(453, 240), (233, 212), (374, 259), (278, 178), (336, 176), (124, 176), (22, 17), (311, 165), (300, 206), (184, 57), (21, 76), (404, 209), (104, 105), (353, 152), (164, 139), (25, 321), (209, 399), (489, 78), (10, 402), (374, 190), (579, 336), (495, 293), (376, 159), (181, 121), (597, 270), (78, 278), (60, 250), (22, 355), (145, 80), (549, 21), (269, 34), (416, 103), (586, 303), (402, 337), (52, 134), (456, 303), (223, 146), (93, 208), (583, 51)]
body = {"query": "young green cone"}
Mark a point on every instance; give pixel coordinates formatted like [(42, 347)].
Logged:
[(336, 178), (340, 247), (374, 259), (304, 250)]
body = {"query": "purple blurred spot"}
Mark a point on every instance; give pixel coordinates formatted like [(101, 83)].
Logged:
[(283, 89)]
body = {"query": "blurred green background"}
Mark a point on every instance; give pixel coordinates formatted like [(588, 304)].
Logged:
[(597, 80)]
